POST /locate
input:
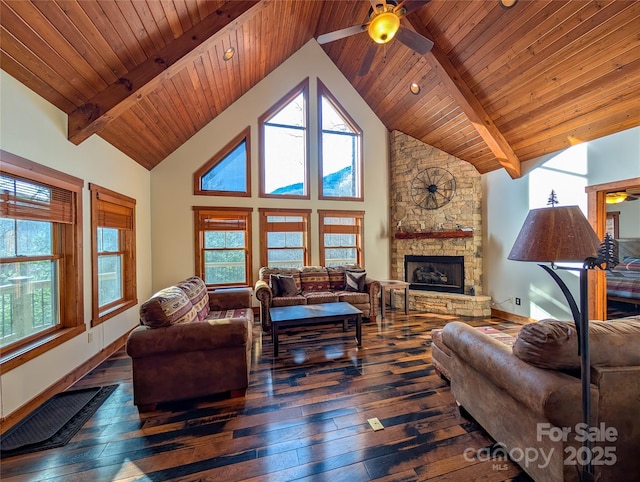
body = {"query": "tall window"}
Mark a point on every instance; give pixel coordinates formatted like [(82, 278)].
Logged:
[(284, 237), (341, 234), (228, 173), (113, 247), (283, 147), (340, 150), (40, 259), (223, 245)]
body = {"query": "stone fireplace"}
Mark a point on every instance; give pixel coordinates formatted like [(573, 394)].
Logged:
[(453, 230)]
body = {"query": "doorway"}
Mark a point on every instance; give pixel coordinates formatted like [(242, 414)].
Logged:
[(616, 294)]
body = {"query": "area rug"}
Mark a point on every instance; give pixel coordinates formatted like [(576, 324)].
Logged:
[(54, 422)]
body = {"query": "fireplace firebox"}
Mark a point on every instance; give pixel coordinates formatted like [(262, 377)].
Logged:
[(435, 273)]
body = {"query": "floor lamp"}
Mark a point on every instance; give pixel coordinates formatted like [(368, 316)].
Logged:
[(563, 234)]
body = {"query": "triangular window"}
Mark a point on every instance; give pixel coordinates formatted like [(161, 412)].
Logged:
[(228, 173)]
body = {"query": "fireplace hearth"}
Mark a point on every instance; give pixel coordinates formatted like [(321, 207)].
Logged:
[(435, 273)]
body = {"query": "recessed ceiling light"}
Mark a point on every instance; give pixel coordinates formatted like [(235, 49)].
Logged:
[(414, 88), (228, 54), (507, 3)]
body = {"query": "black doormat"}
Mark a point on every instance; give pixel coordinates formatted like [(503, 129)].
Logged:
[(54, 422)]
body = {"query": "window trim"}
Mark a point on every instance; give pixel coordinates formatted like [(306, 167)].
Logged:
[(71, 275), (244, 136), (199, 242), (302, 87), (127, 244), (324, 91), (358, 231), (264, 230)]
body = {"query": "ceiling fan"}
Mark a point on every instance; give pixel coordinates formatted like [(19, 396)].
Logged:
[(383, 24), (630, 194)]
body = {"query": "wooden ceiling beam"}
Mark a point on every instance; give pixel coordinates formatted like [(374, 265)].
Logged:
[(120, 96), (470, 105)]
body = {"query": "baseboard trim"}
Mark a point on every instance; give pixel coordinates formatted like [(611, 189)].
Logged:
[(61, 385), (505, 315)]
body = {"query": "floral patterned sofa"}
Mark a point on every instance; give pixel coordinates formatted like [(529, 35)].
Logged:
[(317, 284)]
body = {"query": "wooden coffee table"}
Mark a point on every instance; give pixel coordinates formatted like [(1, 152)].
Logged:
[(284, 316)]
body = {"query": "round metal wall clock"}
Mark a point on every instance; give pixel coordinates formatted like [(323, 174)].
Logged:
[(433, 187)]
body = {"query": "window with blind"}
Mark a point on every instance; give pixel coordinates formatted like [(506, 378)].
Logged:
[(113, 248), (284, 160), (40, 259), (284, 237), (341, 237), (223, 245)]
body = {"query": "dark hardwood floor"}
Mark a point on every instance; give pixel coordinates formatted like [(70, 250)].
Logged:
[(304, 417)]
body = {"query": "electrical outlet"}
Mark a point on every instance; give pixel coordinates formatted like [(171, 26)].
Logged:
[(375, 424), (90, 337), (518, 301)]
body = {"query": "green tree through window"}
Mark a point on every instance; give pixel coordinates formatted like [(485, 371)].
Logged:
[(113, 253), (284, 237), (40, 259), (223, 256)]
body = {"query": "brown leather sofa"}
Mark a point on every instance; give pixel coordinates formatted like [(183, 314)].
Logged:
[(523, 396), (316, 284), (191, 343)]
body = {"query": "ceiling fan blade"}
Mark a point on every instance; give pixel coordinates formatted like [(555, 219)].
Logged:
[(409, 6), (414, 40), (367, 60), (339, 34)]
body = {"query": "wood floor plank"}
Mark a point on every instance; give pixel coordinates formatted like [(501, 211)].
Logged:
[(304, 417)]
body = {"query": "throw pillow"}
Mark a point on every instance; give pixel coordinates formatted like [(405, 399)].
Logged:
[(275, 286), (354, 280), (168, 306), (286, 285), (554, 344), (196, 291)]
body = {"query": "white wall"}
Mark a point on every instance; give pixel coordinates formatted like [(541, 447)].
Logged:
[(508, 201), (629, 218), (172, 180), (36, 130)]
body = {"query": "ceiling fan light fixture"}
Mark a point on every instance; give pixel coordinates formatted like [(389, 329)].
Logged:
[(383, 27), (615, 197)]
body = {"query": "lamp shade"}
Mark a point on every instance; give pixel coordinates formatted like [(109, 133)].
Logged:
[(383, 27), (559, 233)]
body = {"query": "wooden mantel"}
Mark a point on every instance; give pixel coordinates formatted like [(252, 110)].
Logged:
[(434, 234)]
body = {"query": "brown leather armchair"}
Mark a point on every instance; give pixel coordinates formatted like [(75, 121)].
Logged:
[(521, 405)]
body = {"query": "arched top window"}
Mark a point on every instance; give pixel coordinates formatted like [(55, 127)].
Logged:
[(340, 150), (284, 160)]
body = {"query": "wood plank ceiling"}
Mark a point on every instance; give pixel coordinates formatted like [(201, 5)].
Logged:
[(500, 86)]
